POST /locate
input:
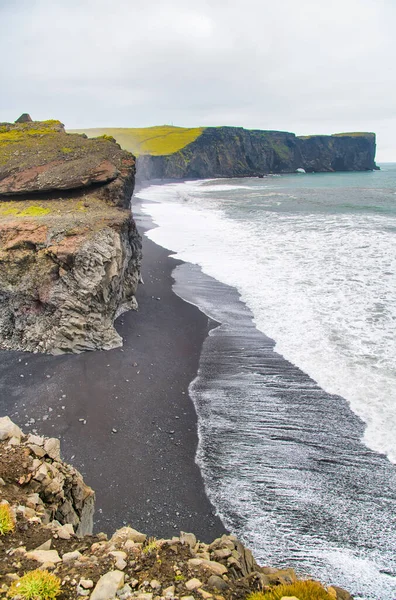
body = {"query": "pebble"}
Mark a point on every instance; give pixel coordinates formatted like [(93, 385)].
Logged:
[(193, 584), (87, 584), (69, 556)]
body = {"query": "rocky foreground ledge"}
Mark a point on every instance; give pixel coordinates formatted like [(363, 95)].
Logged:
[(69, 249), (49, 510)]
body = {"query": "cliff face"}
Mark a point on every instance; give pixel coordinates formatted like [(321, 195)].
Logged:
[(236, 152), (69, 249)]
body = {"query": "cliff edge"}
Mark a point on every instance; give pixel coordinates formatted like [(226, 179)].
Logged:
[(69, 249), (46, 536)]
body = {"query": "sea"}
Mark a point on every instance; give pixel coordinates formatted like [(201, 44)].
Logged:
[(296, 389)]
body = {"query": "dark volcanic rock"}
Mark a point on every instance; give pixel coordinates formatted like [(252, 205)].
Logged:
[(339, 152), (24, 118), (69, 249), (42, 157), (237, 152)]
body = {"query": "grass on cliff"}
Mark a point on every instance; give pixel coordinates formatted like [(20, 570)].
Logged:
[(156, 141), (303, 590), (36, 585), (22, 131), (7, 522), (16, 209)]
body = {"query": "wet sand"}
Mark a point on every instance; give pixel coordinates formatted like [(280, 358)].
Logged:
[(124, 416)]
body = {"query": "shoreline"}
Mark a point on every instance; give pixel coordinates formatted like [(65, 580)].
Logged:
[(124, 416)]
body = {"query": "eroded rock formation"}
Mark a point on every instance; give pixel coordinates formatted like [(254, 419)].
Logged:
[(69, 249), (237, 152)]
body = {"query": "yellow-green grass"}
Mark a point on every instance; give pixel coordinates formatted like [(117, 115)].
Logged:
[(36, 585), (303, 590), (17, 209), (24, 131), (156, 141), (7, 522)]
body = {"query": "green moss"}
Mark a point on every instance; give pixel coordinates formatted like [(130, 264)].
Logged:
[(14, 210), (156, 141), (67, 150)]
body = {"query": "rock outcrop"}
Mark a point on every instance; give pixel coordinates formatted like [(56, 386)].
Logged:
[(237, 152), (31, 469), (48, 531), (69, 249)]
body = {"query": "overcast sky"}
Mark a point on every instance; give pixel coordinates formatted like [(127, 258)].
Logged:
[(306, 66)]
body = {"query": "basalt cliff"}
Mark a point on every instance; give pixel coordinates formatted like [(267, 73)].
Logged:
[(69, 249), (237, 152)]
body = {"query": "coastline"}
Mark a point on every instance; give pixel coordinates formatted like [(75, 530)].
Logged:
[(124, 416)]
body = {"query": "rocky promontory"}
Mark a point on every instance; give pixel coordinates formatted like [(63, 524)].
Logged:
[(46, 537), (238, 152), (69, 249)]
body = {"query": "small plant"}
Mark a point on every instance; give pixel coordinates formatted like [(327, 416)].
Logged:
[(36, 585), (179, 578), (152, 546), (303, 590), (7, 521)]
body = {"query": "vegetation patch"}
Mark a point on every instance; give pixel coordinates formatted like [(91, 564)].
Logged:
[(354, 134), (156, 141), (7, 522), (36, 585), (16, 211), (303, 590)]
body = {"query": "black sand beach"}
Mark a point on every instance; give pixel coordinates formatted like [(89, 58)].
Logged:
[(124, 417)]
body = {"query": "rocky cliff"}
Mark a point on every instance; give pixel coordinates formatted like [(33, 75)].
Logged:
[(69, 249), (45, 526), (237, 152)]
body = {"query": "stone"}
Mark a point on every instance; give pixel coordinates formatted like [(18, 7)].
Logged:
[(24, 118), (127, 533), (125, 592), (45, 546), (52, 448), (193, 584), (188, 538), (9, 430), (206, 595), (169, 592), (44, 556), (217, 583), (71, 556), (120, 564), (195, 562), (38, 450), (35, 439), (87, 584), (341, 594), (2, 482), (289, 598), (187, 598), (108, 585), (222, 553), (154, 584), (214, 567)]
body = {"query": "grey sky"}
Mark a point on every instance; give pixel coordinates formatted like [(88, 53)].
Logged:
[(307, 66)]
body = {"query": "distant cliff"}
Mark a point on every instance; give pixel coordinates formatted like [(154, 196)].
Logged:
[(237, 152)]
